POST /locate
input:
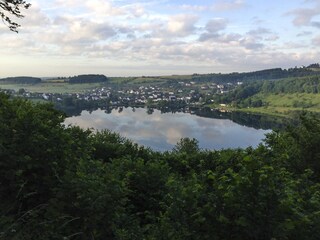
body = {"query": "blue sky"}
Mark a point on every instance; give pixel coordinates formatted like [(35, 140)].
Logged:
[(132, 38)]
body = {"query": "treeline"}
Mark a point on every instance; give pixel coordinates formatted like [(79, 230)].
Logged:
[(250, 120), (59, 182), (309, 84), (20, 80), (88, 78), (268, 74)]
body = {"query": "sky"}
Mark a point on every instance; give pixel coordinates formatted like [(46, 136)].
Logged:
[(151, 38)]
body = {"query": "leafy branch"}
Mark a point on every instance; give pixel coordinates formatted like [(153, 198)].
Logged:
[(12, 7)]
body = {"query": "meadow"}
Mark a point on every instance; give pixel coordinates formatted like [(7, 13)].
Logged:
[(284, 104), (52, 87)]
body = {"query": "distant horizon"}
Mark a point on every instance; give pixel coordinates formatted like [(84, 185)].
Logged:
[(145, 75), (135, 38)]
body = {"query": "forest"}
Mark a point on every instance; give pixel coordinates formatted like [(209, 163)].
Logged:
[(266, 74), (63, 182), (88, 78), (241, 95), (20, 80)]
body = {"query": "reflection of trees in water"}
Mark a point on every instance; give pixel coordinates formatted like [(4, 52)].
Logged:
[(69, 111), (108, 110), (249, 120), (150, 110)]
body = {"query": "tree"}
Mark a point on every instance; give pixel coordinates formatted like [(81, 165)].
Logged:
[(13, 7), (187, 145)]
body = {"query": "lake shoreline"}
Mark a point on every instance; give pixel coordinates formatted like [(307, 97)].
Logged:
[(161, 130)]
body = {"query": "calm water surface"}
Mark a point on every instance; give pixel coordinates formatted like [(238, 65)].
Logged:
[(161, 131)]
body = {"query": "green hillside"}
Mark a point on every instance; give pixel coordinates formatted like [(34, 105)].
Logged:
[(277, 97)]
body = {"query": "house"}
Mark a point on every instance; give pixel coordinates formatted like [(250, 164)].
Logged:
[(172, 98)]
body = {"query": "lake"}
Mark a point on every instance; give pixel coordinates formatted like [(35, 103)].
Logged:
[(161, 131)]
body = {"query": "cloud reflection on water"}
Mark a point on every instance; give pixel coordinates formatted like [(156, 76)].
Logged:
[(162, 131)]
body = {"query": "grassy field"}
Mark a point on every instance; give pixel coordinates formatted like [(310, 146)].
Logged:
[(60, 86), (178, 77), (52, 87), (295, 100), (285, 104), (149, 79)]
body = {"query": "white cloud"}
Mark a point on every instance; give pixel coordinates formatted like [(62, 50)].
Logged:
[(315, 24), (215, 25), (140, 36), (303, 16), (182, 25), (212, 29), (259, 31), (251, 43), (103, 8), (262, 34), (316, 41), (69, 3), (273, 37), (228, 5), (194, 8), (137, 10), (35, 17), (304, 33)]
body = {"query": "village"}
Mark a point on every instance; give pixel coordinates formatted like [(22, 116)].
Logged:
[(177, 94)]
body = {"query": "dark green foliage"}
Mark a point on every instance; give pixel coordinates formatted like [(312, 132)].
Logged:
[(292, 85), (242, 96), (300, 144), (109, 145), (89, 78), (20, 80), (267, 74), (59, 182), (187, 145), (34, 153), (314, 65)]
